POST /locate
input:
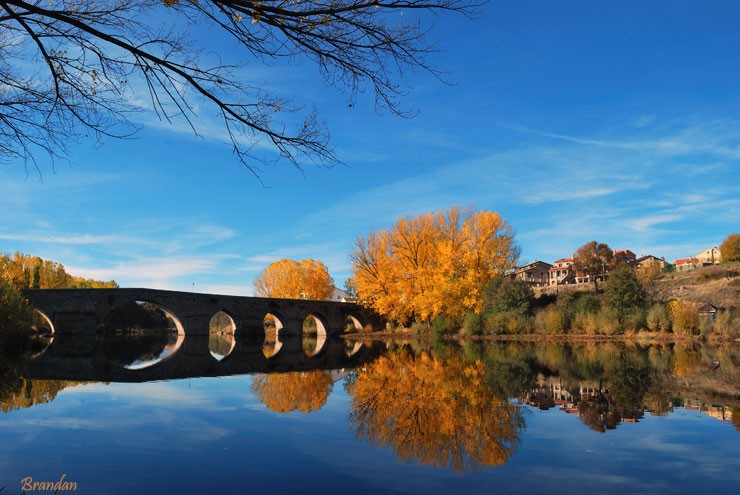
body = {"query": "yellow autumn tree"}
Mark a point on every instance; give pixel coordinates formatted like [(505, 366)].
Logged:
[(684, 316), (437, 411), (31, 272), (290, 279), (304, 391), (432, 264)]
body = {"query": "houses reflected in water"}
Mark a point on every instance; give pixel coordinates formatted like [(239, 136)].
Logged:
[(591, 402)]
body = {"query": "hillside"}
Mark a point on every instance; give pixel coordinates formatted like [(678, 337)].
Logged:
[(718, 285)]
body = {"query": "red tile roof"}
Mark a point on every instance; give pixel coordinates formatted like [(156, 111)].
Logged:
[(624, 252), (685, 261)]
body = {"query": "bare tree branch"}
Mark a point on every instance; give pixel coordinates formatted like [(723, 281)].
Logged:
[(68, 68)]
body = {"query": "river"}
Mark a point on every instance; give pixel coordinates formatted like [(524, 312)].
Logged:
[(380, 417)]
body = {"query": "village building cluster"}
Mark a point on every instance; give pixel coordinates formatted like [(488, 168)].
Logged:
[(562, 272), (709, 256)]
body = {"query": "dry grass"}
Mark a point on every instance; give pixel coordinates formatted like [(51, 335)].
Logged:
[(718, 285)]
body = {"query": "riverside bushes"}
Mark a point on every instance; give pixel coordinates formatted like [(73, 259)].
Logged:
[(507, 309), (622, 308), (727, 324), (443, 326), (658, 319), (507, 322)]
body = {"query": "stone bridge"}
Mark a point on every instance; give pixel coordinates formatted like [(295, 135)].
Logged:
[(82, 311)]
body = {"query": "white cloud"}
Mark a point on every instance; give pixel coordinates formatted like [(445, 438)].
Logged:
[(153, 271)]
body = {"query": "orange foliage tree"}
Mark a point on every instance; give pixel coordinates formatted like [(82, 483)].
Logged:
[(432, 264), (306, 279), (439, 412), (299, 391)]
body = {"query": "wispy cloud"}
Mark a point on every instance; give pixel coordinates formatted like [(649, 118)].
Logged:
[(74, 239), (716, 137), (646, 223)]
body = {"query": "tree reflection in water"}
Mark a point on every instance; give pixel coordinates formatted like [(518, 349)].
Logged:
[(304, 391), (17, 392), (437, 411)]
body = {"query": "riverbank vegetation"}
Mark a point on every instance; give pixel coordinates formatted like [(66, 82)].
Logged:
[(625, 306), (449, 274), (16, 318)]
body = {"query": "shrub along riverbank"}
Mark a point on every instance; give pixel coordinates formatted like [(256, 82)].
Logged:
[(16, 317)]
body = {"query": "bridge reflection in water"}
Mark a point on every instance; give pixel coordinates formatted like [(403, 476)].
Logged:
[(82, 358)]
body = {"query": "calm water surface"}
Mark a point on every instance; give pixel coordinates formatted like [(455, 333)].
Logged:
[(380, 418)]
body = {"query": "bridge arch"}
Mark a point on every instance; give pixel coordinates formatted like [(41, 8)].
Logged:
[(273, 323), (44, 337), (221, 335), (44, 319), (134, 334), (159, 306), (314, 333), (351, 323)]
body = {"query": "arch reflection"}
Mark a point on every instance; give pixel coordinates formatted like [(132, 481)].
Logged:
[(42, 333), (221, 331), (272, 326), (314, 335), (139, 334)]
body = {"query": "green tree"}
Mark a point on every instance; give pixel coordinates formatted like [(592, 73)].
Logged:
[(623, 292), (592, 261), (504, 293), (730, 248), (92, 55), (36, 277)]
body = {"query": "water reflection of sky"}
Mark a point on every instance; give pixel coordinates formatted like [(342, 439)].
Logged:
[(212, 435)]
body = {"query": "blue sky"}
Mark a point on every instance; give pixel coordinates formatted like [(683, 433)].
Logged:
[(575, 120)]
